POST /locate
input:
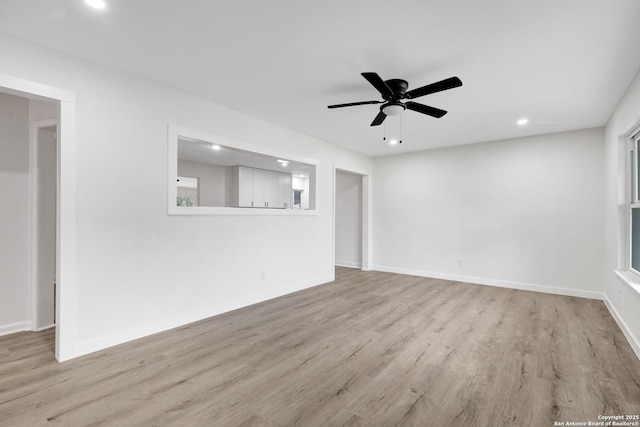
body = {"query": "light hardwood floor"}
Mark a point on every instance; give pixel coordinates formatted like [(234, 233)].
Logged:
[(370, 349)]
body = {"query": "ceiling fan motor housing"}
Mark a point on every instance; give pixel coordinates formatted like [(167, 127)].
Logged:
[(398, 87), (394, 107)]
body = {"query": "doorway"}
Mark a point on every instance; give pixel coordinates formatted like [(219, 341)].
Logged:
[(351, 219), (44, 202), (63, 104)]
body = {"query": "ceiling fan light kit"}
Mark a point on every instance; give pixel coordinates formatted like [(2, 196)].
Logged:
[(393, 91), (393, 109)]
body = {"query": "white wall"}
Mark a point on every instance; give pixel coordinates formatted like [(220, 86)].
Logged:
[(623, 300), (348, 219), (41, 110), (46, 227), (138, 270), (212, 183), (15, 273), (524, 213)]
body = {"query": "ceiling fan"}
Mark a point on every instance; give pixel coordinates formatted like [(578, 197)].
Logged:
[(395, 90)]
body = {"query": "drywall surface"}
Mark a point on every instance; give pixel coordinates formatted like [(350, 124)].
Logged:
[(15, 273), (348, 219), (46, 227), (623, 299), (139, 270), (212, 180), (524, 213)]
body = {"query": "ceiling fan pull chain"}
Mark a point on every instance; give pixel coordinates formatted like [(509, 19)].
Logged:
[(384, 134)]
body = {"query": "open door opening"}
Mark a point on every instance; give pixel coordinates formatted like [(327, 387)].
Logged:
[(348, 220), (28, 182), (351, 220), (33, 108), (44, 227)]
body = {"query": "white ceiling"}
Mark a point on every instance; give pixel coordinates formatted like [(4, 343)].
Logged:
[(564, 64), (201, 151)]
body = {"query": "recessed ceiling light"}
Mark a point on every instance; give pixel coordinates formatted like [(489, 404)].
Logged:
[(393, 141), (522, 122), (216, 147), (98, 4)]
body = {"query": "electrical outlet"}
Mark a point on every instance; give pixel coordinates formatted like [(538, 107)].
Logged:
[(459, 262)]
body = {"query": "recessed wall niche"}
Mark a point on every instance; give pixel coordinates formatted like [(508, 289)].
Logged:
[(212, 175)]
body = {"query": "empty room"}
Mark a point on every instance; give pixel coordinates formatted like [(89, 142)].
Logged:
[(336, 213)]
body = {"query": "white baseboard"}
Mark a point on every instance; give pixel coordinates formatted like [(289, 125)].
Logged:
[(634, 342), (44, 328), (12, 328), (348, 264), (90, 346), (498, 283)]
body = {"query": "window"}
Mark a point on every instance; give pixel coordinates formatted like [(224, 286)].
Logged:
[(213, 175), (634, 205), (188, 191)]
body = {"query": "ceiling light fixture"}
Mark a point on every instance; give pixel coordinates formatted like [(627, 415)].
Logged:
[(522, 122), (283, 163), (393, 109), (216, 147), (96, 4)]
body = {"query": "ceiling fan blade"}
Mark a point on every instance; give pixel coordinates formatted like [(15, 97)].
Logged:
[(377, 82), (351, 104), (445, 84), (425, 109), (379, 119)]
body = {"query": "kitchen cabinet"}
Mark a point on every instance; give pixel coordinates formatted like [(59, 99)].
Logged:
[(242, 187), (260, 188), (265, 188)]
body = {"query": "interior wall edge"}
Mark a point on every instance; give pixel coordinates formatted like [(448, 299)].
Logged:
[(634, 342), (495, 282), (101, 343)]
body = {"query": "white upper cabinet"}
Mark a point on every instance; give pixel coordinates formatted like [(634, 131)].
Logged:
[(242, 184), (260, 188), (265, 188)]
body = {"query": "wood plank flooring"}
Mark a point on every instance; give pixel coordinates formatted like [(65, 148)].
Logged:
[(370, 349)]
